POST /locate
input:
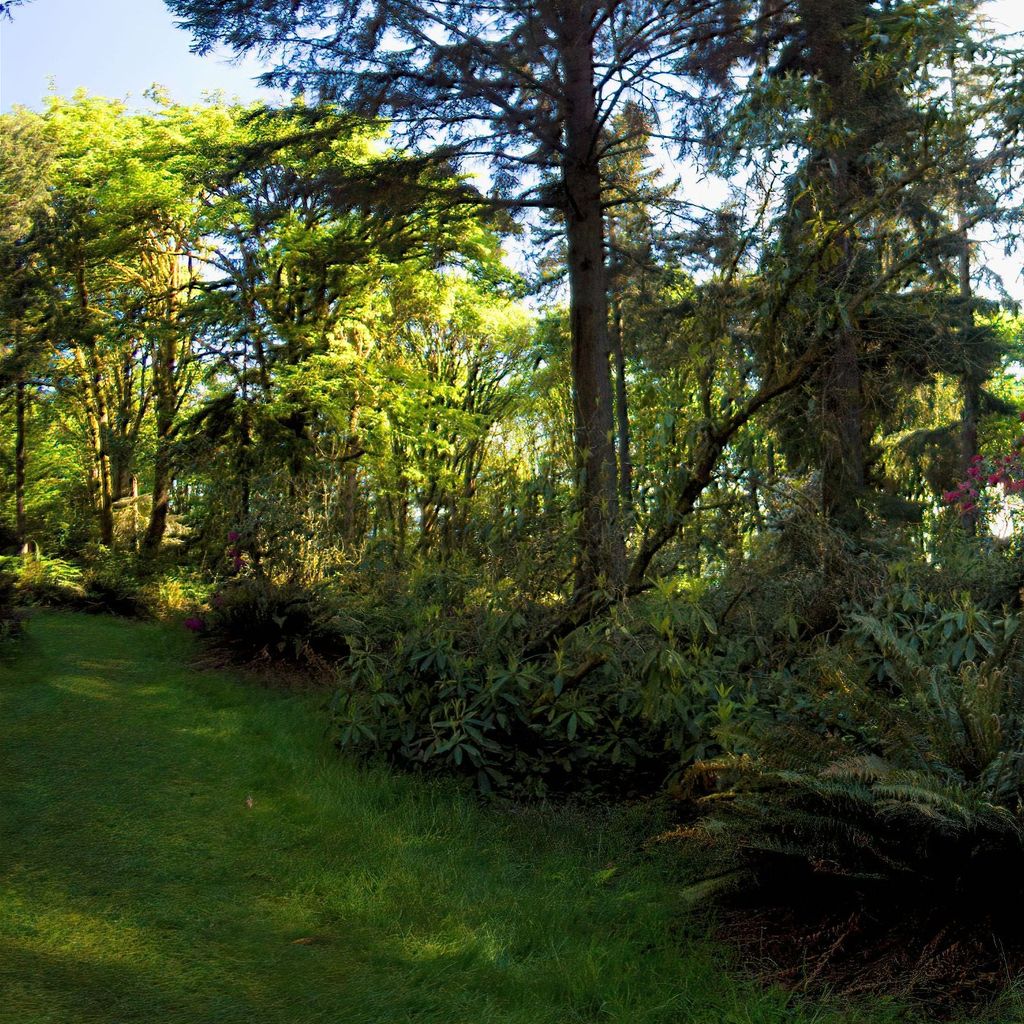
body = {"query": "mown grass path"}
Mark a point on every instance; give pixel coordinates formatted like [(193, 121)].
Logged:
[(137, 885)]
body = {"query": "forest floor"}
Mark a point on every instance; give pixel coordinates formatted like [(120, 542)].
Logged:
[(183, 846)]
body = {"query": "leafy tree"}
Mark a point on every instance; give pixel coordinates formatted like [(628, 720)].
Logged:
[(533, 88), (25, 155)]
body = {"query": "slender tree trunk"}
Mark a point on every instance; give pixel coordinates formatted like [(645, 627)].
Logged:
[(622, 415), (97, 415), (20, 462), (350, 483), (601, 557), (970, 385), (106, 509), (98, 426), (163, 470)]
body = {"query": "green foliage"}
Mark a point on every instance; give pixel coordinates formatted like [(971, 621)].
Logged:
[(257, 620), (891, 755), (45, 581), (440, 679), (112, 585), (173, 590), (10, 621)]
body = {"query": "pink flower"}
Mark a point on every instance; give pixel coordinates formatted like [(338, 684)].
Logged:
[(995, 478), (195, 624), (973, 472), (977, 458), (234, 536), (969, 507), (950, 496)]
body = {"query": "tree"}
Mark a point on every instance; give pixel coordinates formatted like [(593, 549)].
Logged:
[(25, 156), (532, 87), (117, 240), (310, 231), (854, 90)]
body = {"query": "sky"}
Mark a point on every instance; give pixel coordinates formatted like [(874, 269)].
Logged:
[(118, 48), (115, 48)]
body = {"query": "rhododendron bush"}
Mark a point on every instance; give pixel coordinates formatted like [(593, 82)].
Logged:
[(989, 480)]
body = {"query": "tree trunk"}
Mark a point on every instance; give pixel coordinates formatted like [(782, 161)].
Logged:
[(830, 27), (601, 556), (350, 484), (20, 463), (970, 385), (97, 414), (162, 477), (166, 402), (842, 469), (622, 416)]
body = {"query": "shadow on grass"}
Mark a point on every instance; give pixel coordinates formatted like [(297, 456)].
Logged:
[(138, 884)]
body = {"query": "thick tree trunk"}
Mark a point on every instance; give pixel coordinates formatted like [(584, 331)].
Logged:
[(601, 556), (830, 29), (842, 469), (162, 478)]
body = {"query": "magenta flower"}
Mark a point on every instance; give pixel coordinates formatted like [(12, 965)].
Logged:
[(195, 625), (234, 536)]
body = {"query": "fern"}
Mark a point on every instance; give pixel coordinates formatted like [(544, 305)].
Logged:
[(892, 756)]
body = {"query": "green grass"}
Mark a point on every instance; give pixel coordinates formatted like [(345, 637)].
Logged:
[(137, 885)]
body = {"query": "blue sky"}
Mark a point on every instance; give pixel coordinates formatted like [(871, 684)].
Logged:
[(118, 48), (112, 48), (121, 47)]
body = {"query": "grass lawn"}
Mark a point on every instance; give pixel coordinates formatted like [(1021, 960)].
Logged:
[(138, 885)]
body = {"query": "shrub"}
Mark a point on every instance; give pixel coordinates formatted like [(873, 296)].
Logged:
[(175, 591), (109, 582), (112, 585), (256, 620), (46, 582), (10, 621), (879, 790), (620, 706)]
